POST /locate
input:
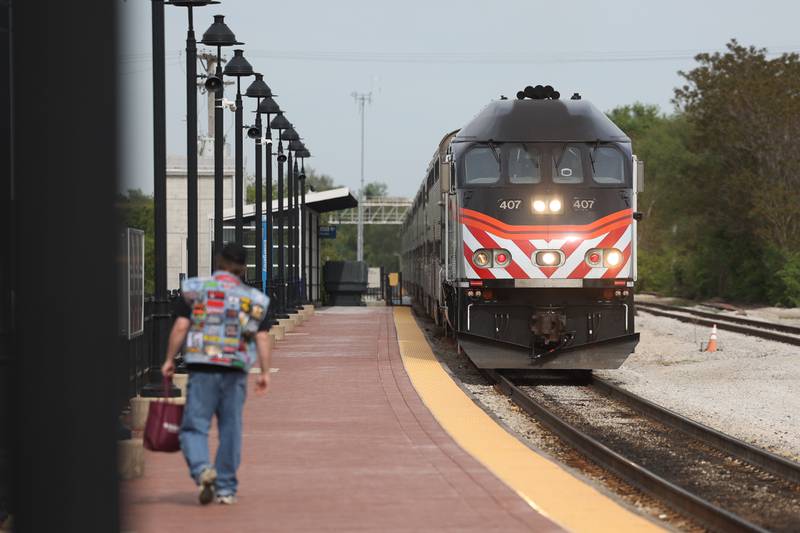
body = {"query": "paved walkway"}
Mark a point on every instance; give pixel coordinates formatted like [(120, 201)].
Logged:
[(342, 442)]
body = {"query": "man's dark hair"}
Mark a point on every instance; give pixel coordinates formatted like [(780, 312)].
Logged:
[(232, 259)]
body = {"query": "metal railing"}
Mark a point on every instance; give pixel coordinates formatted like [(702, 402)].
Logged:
[(142, 356)]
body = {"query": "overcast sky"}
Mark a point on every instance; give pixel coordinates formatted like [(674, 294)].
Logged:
[(430, 66)]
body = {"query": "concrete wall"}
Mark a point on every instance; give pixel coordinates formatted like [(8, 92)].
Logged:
[(176, 213)]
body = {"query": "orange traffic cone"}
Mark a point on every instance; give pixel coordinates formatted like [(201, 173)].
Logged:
[(712, 342)]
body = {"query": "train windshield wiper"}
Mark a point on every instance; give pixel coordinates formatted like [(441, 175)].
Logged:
[(496, 155)]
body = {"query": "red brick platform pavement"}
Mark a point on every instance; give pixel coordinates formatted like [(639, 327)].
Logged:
[(341, 443)]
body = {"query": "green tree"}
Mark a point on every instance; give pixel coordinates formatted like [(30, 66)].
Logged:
[(744, 111), (136, 211)]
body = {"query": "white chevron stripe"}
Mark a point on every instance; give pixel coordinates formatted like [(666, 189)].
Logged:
[(473, 244), (469, 271), (500, 273), (541, 244), (595, 273), (469, 239), (620, 245), (519, 257), (623, 273), (576, 257)]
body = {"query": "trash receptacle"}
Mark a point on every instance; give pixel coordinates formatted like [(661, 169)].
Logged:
[(345, 282)]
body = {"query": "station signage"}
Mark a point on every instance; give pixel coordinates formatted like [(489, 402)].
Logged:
[(327, 232)]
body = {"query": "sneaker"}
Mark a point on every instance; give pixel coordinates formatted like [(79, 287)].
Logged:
[(207, 478), (226, 499)]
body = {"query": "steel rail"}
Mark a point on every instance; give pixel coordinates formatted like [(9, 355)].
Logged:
[(676, 497), (784, 328), (694, 317), (774, 464)]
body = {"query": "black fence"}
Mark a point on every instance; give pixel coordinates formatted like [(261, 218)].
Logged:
[(392, 295), (143, 355)]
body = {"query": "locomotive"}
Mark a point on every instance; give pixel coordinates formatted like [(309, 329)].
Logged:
[(521, 240)]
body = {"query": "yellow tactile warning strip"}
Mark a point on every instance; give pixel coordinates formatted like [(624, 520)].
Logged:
[(547, 487)]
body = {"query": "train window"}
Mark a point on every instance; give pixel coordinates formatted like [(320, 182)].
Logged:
[(608, 165), (567, 164), (481, 166), (524, 164)]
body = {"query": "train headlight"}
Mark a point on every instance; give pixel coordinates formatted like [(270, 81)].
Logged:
[(547, 205), (547, 258), (482, 258), (612, 257)]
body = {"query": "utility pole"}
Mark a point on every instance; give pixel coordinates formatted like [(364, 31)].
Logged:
[(362, 99), (209, 62)]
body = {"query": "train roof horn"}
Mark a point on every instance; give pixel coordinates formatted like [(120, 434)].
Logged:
[(539, 92)]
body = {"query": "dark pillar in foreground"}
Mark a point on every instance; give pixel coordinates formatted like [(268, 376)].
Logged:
[(64, 359)]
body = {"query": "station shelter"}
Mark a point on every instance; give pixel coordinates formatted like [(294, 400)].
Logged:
[(316, 204)]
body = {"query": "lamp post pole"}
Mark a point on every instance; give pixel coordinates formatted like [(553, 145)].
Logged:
[(159, 152), (191, 149), (280, 123), (258, 90), (300, 226), (269, 107), (270, 232), (281, 256), (302, 153), (219, 154), (290, 135), (239, 163), (239, 67), (191, 134), (290, 230), (219, 35), (259, 213)]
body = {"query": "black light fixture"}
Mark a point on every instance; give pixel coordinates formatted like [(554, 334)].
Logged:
[(219, 35), (191, 133), (238, 67), (258, 89)]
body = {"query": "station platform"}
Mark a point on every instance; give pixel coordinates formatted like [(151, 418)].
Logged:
[(348, 440)]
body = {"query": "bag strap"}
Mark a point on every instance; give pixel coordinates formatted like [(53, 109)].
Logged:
[(167, 383)]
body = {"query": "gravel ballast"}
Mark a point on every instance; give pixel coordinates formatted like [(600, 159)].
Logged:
[(747, 389)]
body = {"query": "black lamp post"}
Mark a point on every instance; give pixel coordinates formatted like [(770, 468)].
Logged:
[(258, 90), (159, 157), (299, 224), (289, 134), (238, 66), (280, 123), (191, 134), (302, 153), (269, 107), (219, 35)]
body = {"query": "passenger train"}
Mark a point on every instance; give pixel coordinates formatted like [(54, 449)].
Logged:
[(522, 238)]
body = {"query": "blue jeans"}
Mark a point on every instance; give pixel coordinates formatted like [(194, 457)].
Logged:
[(223, 394)]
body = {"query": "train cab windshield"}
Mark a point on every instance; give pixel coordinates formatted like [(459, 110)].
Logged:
[(594, 164)]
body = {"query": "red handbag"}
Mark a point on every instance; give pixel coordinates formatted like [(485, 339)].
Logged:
[(161, 432)]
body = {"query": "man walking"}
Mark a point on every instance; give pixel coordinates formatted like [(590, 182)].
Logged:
[(223, 323)]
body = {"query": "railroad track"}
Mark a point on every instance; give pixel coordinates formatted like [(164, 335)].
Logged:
[(756, 328), (717, 480)]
